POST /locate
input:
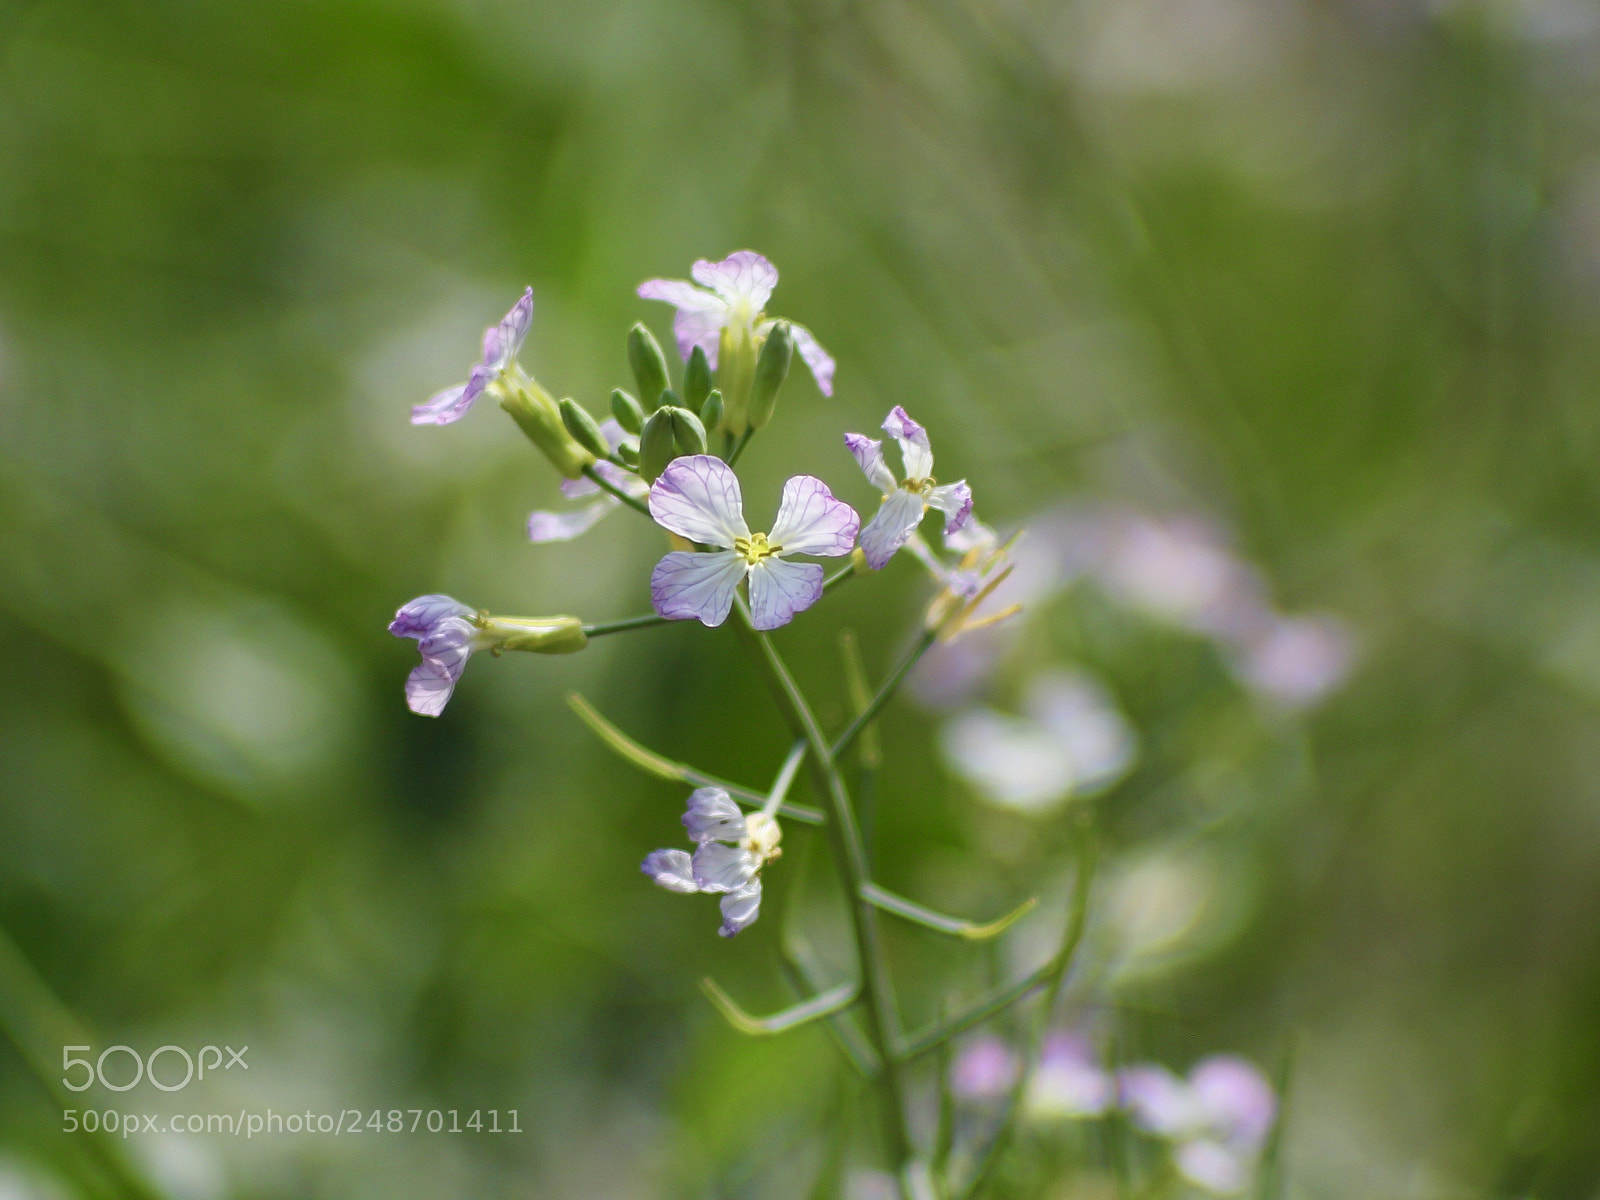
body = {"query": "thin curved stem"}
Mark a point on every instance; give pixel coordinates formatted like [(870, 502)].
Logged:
[(595, 477), (884, 694), (739, 449), (605, 627)]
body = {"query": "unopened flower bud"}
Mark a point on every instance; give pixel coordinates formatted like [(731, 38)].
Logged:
[(687, 431), (627, 411), (668, 399), (736, 367), (540, 635), (539, 418), (772, 368), (583, 429), (696, 379), (711, 411), (629, 454), (657, 446), (648, 363)]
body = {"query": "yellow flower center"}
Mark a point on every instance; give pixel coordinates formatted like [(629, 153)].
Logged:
[(755, 548)]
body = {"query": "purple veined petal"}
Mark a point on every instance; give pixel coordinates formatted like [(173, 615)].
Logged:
[(697, 497), (686, 584), (818, 359), (868, 454), (564, 526), (679, 293), (501, 342), (712, 815), (671, 869), (779, 589), (954, 500), (915, 450), (1158, 1100), (445, 651), (700, 316), (428, 688), (450, 405), (418, 617), (723, 868), (896, 520), (743, 276), (1212, 1167), (1236, 1099), (740, 909), (811, 521)]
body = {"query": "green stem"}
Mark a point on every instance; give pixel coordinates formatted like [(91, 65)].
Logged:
[(739, 449), (595, 477), (606, 627), (850, 858), (890, 685), (841, 576)]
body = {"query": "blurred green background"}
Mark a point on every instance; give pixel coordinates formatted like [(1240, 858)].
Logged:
[(1326, 272)]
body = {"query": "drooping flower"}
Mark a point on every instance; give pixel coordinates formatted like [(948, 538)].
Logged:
[(697, 497), (448, 633), (905, 500), (500, 345), (544, 526), (1216, 1121), (730, 850), (739, 288)]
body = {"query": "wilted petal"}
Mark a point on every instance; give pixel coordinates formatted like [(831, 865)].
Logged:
[(723, 868), (818, 359), (428, 687), (743, 275), (686, 584), (896, 520), (1212, 1166), (915, 451), (869, 457), (698, 497), (671, 869), (501, 342), (443, 408), (1158, 1100), (713, 815), (811, 521), (700, 316), (563, 527), (779, 589), (1237, 1100), (418, 617), (740, 909), (954, 500)]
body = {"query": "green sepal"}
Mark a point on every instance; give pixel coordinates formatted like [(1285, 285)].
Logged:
[(627, 411), (711, 410), (772, 368), (583, 428), (696, 379), (687, 430), (649, 365), (657, 447)]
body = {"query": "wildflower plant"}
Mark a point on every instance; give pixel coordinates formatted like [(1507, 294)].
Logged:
[(669, 454)]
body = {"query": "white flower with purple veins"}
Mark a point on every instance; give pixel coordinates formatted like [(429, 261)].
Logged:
[(697, 497), (446, 637), (905, 500), (1217, 1120), (546, 526), (730, 850), (500, 345), (739, 288)]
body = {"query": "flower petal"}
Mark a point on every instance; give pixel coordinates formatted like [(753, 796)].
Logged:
[(700, 316), (779, 589), (418, 617), (564, 526), (671, 869), (686, 584), (1158, 1100), (697, 497), (1212, 1167), (913, 438), (743, 275), (445, 651), (811, 521), (722, 868), (450, 405), (1239, 1103), (627, 481), (712, 815), (501, 342), (954, 500), (869, 457), (896, 520), (818, 359), (740, 909)]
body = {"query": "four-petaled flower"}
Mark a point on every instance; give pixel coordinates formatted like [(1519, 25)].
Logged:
[(500, 345), (697, 497), (731, 849), (545, 526), (446, 636), (740, 286), (905, 500)]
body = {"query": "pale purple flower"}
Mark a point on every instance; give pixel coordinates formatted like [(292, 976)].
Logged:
[(500, 345), (739, 288), (1295, 661), (446, 637), (907, 499), (730, 850), (984, 1069), (697, 497), (1217, 1120), (1069, 1081), (546, 526)]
